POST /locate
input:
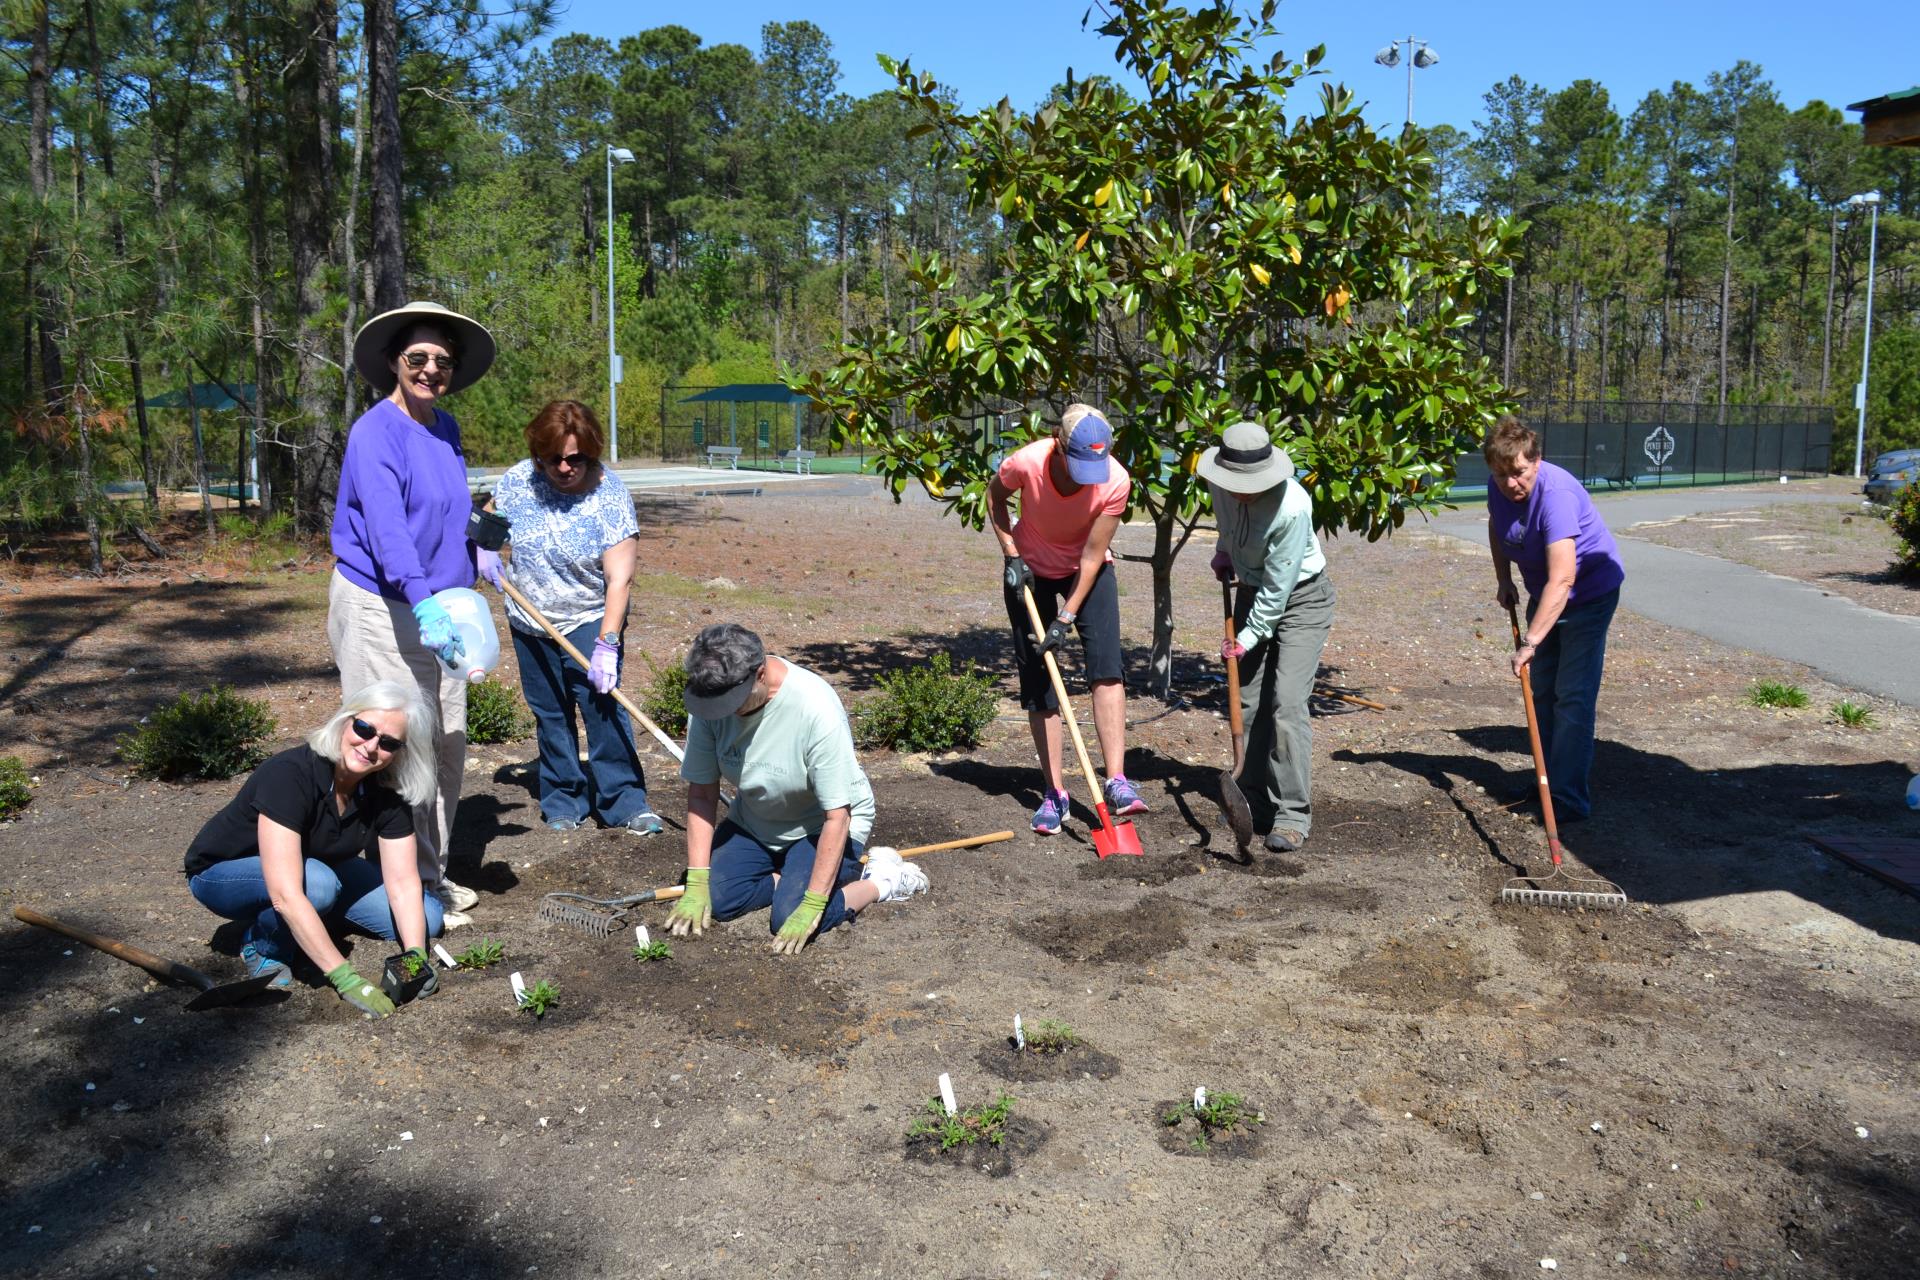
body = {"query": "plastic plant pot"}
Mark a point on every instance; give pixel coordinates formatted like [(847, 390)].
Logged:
[(398, 984)]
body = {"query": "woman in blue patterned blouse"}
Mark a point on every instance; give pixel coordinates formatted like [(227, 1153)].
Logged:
[(575, 543)]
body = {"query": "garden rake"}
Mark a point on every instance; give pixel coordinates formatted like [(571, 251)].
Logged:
[(600, 917), (1559, 889)]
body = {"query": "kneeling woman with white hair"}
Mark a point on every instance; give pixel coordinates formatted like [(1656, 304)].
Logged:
[(321, 836), (794, 836)]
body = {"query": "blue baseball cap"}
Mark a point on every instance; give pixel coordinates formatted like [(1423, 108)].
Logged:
[(1088, 449)]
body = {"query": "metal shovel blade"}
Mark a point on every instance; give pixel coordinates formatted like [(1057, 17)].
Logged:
[(1239, 816), (1112, 837), (229, 993)]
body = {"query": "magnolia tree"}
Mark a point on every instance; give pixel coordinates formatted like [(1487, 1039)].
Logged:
[(1187, 260)]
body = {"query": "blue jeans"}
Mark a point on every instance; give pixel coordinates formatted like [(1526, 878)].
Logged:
[(742, 878), (612, 787), (1566, 686), (351, 892)]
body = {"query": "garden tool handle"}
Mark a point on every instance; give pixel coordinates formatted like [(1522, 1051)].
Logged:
[(1060, 696), (1533, 740), (675, 891), (159, 967), (672, 747), (1234, 720)]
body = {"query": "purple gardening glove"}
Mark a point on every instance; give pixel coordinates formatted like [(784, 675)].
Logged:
[(603, 672), (1232, 651), (1222, 565), (488, 564)]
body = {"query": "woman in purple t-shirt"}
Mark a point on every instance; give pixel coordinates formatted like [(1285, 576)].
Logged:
[(1540, 518), (400, 535)]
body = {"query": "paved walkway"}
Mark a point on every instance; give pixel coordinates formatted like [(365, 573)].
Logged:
[(1747, 608), (638, 479)]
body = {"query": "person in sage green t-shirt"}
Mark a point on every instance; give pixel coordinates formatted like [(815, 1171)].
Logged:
[(797, 829)]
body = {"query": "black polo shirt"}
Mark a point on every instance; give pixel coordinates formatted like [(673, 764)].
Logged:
[(295, 789)]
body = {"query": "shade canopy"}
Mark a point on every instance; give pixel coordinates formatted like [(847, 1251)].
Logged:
[(749, 393), (204, 395)]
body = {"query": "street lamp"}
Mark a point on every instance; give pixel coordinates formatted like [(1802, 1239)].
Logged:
[(1870, 200), (1419, 54), (624, 156)]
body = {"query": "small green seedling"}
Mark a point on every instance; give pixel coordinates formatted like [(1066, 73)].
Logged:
[(485, 952), (1051, 1036), (968, 1127), (1220, 1111), (1776, 694), (413, 963), (658, 949), (541, 996), (1853, 715)]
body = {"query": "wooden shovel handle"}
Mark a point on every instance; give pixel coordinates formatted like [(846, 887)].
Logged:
[(566, 644), (158, 966), (1066, 711), (1234, 720), (675, 891), (1533, 740)]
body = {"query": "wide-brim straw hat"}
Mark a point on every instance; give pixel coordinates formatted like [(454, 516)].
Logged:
[(1245, 460), (475, 354)]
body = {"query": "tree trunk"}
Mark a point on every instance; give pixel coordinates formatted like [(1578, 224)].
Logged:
[(1826, 325), (89, 504), (1160, 660), (311, 98), (383, 85), (1605, 299), (53, 376), (1506, 337), (1726, 275), (199, 455), (349, 243)]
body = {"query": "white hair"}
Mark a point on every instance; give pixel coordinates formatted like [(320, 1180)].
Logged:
[(411, 770)]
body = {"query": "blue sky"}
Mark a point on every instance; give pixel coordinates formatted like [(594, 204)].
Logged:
[(986, 48)]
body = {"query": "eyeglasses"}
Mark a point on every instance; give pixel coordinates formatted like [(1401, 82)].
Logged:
[(574, 461), (367, 733), (417, 360)]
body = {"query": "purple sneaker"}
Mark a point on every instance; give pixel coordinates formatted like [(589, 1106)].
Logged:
[(1122, 799), (1051, 813)]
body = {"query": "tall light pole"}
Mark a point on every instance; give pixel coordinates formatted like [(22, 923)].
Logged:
[(1419, 54), (624, 156), (1870, 200)]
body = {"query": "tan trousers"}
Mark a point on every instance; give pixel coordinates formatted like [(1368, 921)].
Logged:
[(374, 639)]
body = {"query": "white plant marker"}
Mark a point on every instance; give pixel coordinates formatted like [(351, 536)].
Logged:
[(1019, 1034), (445, 959), (946, 1095), (640, 935), (519, 989), (1200, 1097)]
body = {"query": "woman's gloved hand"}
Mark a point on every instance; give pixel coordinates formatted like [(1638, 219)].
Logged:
[(359, 993), (1057, 633), (487, 565), (1232, 650), (603, 670), (801, 924), (1016, 574), (436, 625), (694, 911)]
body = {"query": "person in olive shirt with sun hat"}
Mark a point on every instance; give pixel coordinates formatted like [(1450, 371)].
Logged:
[(320, 836), (797, 828)]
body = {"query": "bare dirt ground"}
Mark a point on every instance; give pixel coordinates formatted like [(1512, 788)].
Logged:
[(1719, 1080), (1845, 550)]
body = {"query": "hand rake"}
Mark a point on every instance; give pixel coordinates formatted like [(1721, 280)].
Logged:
[(1109, 837), (599, 917), (1558, 889)]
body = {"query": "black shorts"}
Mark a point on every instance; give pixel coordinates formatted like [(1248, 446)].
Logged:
[(1098, 625)]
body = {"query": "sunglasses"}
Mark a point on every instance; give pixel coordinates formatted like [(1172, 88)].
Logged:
[(367, 733), (574, 461), (417, 360)]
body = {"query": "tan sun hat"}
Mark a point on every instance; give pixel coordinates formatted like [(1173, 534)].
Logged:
[(1245, 460), (474, 353)]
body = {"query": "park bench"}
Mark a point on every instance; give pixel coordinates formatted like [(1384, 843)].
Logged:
[(716, 452), (802, 460)]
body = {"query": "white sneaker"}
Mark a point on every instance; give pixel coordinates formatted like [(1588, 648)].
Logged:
[(454, 920), (895, 877), (456, 897)]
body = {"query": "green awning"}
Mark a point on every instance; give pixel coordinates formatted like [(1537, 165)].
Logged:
[(206, 395), (750, 393)]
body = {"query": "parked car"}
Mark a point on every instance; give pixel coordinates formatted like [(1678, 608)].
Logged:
[(1892, 472)]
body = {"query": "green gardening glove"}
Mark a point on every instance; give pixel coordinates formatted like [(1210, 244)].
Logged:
[(801, 924), (359, 993), (694, 911)]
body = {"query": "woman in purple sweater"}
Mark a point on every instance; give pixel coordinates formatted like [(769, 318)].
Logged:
[(400, 535), (1540, 518)]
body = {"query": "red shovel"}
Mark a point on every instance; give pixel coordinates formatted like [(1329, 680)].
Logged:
[(1110, 837)]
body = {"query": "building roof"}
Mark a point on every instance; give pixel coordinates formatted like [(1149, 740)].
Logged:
[(1892, 119)]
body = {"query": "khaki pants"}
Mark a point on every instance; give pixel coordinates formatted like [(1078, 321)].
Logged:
[(1276, 681), (375, 639)]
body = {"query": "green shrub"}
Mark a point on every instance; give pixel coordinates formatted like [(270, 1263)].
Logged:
[(665, 699), (1904, 520), (215, 735), (928, 708), (495, 713), (16, 790), (1777, 694), (1853, 715)]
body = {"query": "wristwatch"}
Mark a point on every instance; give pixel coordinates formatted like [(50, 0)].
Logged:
[(611, 639)]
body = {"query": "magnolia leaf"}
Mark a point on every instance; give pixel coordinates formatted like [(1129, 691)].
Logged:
[(953, 338), (1104, 194), (1081, 243), (1261, 274)]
